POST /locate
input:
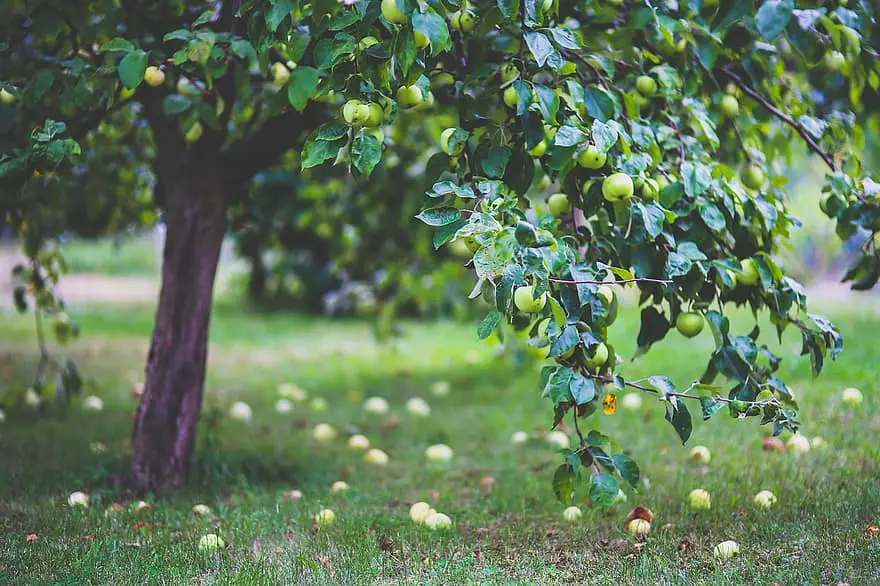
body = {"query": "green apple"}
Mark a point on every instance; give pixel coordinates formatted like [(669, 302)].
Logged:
[(377, 134), (572, 514), (438, 522), (392, 13), (539, 149), (592, 158), (154, 76), (765, 499), (211, 542), (650, 189), (280, 74), (124, 94), (459, 248), (638, 527), (194, 133), (753, 177), (599, 357), (409, 96), (833, 61), (326, 516), (441, 79), (375, 115), (646, 85), (450, 150), (355, 112), (689, 323), (524, 300), (729, 106), (463, 21), (7, 98), (617, 187), (511, 97), (726, 550), (422, 40), (700, 498), (509, 72), (558, 204), (367, 42), (749, 275)]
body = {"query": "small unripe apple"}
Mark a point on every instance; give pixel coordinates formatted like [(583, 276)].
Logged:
[(353, 112), (358, 442), (557, 439), (726, 550), (646, 85), (700, 499), (599, 357), (753, 177), (392, 13), (339, 486), (420, 511), (632, 401), (524, 300), (439, 453), (617, 187), (376, 406), (376, 456), (558, 204), (539, 149), (375, 115), (194, 133), (749, 275), (441, 79), (154, 76), (7, 98), (689, 323), (833, 61), (638, 527), (765, 499), (519, 437), (409, 96), (851, 396), (798, 444), (572, 514), (450, 150), (438, 522), (422, 40), (463, 20), (509, 72), (241, 411), (729, 106), (78, 499), (650, 189), (280, 74), (324, 432), (418, 407), (211, 542), (325, 517), (592, 158), (511, 97), (701, 454)]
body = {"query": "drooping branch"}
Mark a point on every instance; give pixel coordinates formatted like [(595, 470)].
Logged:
[(618, 282), (645, 389), (750, 91)]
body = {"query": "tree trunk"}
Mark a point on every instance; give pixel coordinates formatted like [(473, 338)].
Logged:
[(167, 417)]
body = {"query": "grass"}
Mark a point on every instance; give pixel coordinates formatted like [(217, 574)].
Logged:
[(128, 257), (513, 534)]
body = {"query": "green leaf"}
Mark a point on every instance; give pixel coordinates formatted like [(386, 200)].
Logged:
[(118, 44), (564, 38), (175, 104), (678, 415), (316, 152), (496, 161), (509, 8), (488, 324), (132, 68), (604, 136), (599, 104), (244, 50), (279, 11), (773, 17), (654, 326), (543, 50), (439, 216), (444, 234), (568, 136), (491, 259), (366, 151), (712, 217), (677, 265), (568, 339), (434, 27), (710, 407), (302, 85), (583, 389), (558, 388), (563, 483), (603, 489), (627, 468)]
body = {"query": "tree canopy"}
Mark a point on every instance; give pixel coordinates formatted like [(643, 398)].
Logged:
[(590, 145)]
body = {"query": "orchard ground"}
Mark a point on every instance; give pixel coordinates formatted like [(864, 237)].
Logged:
[(512, 532)]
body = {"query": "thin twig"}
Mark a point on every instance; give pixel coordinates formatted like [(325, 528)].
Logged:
[(814, 146), (653, 391), (618, 282)]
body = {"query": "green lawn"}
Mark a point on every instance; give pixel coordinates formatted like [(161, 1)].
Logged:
[(511, 534)]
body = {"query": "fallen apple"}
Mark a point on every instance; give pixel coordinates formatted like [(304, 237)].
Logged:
[(358, 442), (726, 550), (700, 499), (519, 437), (241, 411), (572, 513), (440, 388), (798, 444), (376, 456), (201, 510), (318, 404), (376, 406), (324, 432), (339, 486), (851, 396), (93, 403), (211, 542), (638, 527), (420, 511), (325, 517), (78, 499), (438, 522), (765, 499), (632, 401), (558, 439), (283, 406), (418, 407), (439, 453), (292, 391), (701, 454)]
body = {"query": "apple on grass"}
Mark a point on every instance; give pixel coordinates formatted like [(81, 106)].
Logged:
[(700, 499), (765, 499), (358, 442), (93, 403), (439, 453), (324, 432), (376, 406), (78, 499), (726, 550), (851, 396), (558, 439), (318, 404), (438, 522), (292, 391), (519, 437), (798, 444), (377, 457), (701, 454), (572, 514), (440, 388), (638, 527), (418, 407), (339, 486), (325, 517), (201, 510), (283, 406), (241, 411), (211, 542), (420, 511)]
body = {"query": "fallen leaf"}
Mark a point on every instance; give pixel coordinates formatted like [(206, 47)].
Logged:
[(639, 512)]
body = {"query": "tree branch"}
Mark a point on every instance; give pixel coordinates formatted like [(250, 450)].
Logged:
[(608, 380), (814, 146), (618, 282)]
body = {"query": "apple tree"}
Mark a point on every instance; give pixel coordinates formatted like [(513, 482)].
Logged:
[(661, 129)]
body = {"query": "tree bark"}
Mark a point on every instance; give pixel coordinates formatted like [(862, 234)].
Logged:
[(167, 418)]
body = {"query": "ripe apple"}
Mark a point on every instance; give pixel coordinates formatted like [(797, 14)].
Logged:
[(519, 437), (241, 411), (446, 147), (689, 323), (7, 98), (194, 133), (726, 550), (646, 85), (422, 40), (376, 406), (439, 453), (765, 499), (358, 442), (201, 510), (324, 432), (524, 300), (617, 187), (283, 406), (325, 517), (93, 403), (376, 456), (700, 499), (833, 61), (463, 20), (572, 514), (539, 149), (701, 454), (638, 527), (154, 76), (392, 13), (558, 439), (510, 97), (339, 486), (753, 177), (418, 407), (420, 511), (280, 74), (798, 444), (211, 542), (438, 522), (729, 106), (851, 396), (592, 158), (78, 499), (749, 275), (558, 204), (509, 72), (632, 401), (409, 96)]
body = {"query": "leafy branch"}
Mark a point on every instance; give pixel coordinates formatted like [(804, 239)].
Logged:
[(617, 282)]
